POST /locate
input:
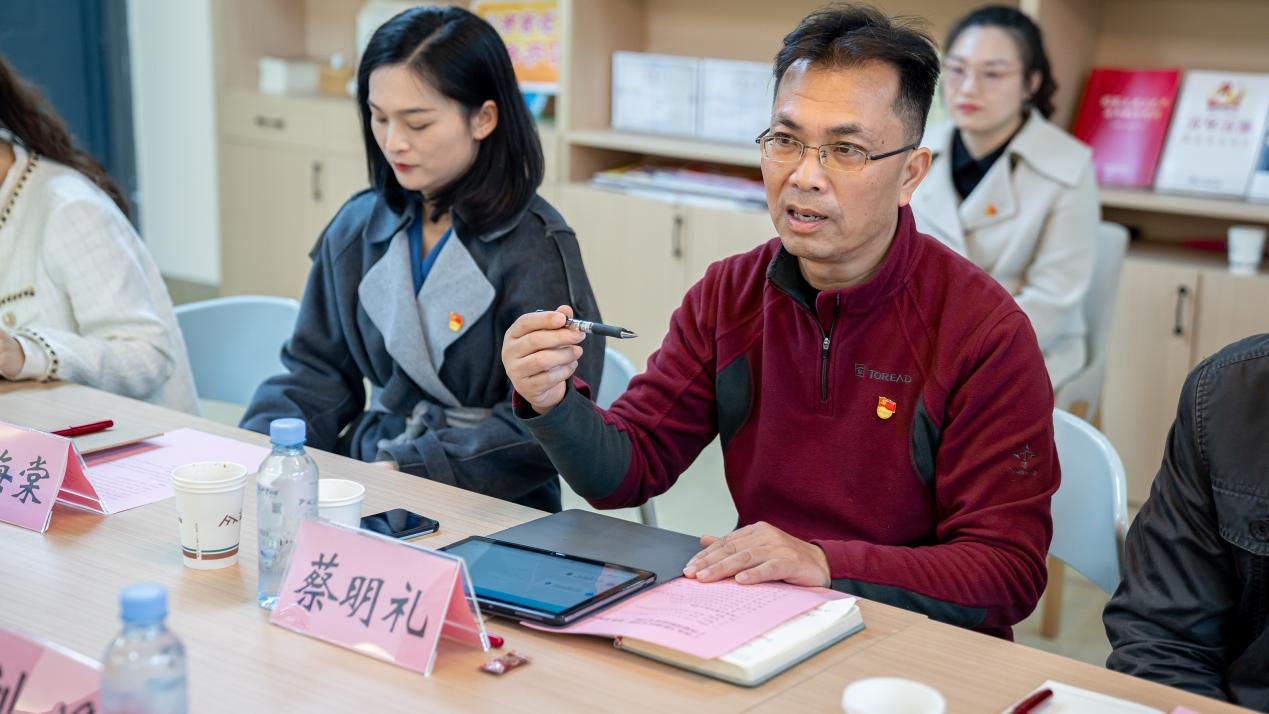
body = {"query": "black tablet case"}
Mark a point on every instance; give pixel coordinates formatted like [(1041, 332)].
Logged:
[(612, 540)]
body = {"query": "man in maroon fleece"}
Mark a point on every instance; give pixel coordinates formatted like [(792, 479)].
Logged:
[(884, 409)]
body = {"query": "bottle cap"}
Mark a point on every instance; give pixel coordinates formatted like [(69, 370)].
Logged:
[(143, 602), (287, 432)]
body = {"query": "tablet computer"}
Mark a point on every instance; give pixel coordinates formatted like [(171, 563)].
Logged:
[(543, 586)]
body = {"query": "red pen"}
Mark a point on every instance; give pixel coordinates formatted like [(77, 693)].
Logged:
[(83, 429), (1032, 701)]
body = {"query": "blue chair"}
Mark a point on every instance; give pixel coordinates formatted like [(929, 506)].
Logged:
[(1090, 511), (234, 343)]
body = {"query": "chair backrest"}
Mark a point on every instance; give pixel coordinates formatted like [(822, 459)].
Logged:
[(1099, 303), (234, 343), (618, 371), (1090, 508)]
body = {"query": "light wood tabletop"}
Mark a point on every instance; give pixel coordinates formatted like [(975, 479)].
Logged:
[(64, 585), (977, 674)]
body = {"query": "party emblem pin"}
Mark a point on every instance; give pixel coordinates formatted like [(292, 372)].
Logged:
[(455, 322), (886, 407), (991, 210)]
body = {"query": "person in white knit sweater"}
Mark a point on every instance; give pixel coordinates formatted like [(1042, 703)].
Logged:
[(80, 298)]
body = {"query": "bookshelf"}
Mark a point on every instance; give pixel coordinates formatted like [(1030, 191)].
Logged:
[(664, 146), (1229, 209)]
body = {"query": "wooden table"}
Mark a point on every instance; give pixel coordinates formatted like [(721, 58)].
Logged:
[(64, 585), (975, 673)]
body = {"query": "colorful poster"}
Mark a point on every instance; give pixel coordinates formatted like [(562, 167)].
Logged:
[(531, 32)]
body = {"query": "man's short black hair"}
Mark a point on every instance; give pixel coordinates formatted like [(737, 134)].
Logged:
[(848, 35)]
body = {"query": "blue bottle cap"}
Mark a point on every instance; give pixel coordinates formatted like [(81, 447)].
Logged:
[(143, 602), (287, 432)]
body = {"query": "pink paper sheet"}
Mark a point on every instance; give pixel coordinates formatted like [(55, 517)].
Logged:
[(141, 473), (707, 620)]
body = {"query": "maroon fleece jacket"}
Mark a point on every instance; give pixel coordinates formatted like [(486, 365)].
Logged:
[(904, 425)]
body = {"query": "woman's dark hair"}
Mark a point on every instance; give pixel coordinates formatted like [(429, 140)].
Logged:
[(463, 57), (25, 112), (852, 35), (1026, 35)]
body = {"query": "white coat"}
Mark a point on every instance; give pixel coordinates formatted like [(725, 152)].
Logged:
[(80, 293), (1031, 223)]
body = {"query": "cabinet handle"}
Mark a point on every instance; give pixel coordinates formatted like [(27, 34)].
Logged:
[(1177, 327), (676, 237), (270, 122), (315, 181)]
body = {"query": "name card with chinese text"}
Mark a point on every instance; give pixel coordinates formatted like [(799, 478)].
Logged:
[(381, 597), (33, 465), (39, 676)]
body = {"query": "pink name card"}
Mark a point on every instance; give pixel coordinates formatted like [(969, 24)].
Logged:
[(378, 596), (38, 676), (32, 466)]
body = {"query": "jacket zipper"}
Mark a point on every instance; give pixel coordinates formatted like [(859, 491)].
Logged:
[(824, 351)]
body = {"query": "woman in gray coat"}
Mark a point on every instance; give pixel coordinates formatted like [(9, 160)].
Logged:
[(416, 280)]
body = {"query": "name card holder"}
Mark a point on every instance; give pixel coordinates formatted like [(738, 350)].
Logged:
[(37, 469), (382, 597), (40, 676)]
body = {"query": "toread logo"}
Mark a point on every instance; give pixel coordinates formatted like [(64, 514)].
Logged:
[(862, 372)]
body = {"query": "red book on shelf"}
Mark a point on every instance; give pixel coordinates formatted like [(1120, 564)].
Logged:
[(1124, 117)]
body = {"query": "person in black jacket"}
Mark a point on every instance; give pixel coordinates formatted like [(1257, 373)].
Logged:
[(415, 281), (1193, 608)]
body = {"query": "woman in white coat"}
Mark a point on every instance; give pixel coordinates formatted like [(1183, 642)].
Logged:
[(80, 299), (1009, 190)]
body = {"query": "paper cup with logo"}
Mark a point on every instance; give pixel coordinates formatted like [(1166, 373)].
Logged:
[(339, 501), (891, 695), (209, 508)]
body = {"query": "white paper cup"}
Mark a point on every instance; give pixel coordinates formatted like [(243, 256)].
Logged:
[(209, 508), (1246, 248), (891, 695), (339, 501)]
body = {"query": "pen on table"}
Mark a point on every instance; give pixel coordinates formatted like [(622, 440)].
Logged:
[(599, 328), (83, 429), (1032, 701)]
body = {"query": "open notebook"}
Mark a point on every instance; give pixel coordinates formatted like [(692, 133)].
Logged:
[(768, 654), (743, 634)]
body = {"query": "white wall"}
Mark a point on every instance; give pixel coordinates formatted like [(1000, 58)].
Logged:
[(174, 117)]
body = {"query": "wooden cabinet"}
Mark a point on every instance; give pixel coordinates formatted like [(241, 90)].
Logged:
[(275, 201), (1230, 307), (633, 252), (1170, 315), (643, 254), (1151, 351)]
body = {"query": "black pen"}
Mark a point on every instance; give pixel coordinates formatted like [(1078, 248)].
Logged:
[(599, 328)]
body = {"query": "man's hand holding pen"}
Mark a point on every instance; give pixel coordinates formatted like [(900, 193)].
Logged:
[(540, 354)]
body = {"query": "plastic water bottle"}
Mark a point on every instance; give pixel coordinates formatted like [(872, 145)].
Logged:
[(144, 668), (286, 494)]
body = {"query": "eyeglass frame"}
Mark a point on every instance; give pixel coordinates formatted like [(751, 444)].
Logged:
[(823, 155)]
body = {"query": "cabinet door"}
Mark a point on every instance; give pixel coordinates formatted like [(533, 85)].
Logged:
[(633, 250), (717, 233), (1151, 349), (1230, 307), (275, 201)]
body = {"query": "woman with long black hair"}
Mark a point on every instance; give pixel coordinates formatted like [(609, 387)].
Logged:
[(416, 280), (80, 298)]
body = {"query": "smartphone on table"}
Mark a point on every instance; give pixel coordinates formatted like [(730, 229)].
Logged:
[(400, 523)]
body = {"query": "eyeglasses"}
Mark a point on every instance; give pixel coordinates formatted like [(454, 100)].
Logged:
[(955, 74), (838, 157)]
